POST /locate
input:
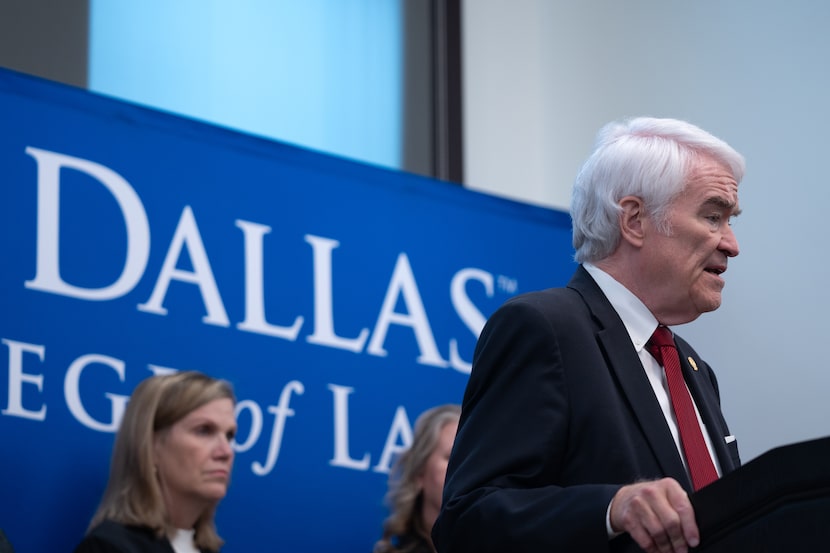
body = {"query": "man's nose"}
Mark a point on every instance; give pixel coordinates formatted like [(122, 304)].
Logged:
[(728, 242)]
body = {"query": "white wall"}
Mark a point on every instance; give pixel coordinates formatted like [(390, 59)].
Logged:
[(542, 76)]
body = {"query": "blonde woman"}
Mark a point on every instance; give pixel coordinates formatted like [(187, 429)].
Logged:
[(171, 465), (416, 483)]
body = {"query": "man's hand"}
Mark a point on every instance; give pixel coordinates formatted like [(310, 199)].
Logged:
[(657, 514)]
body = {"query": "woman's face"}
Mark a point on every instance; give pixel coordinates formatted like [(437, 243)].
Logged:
[(194, 456), (435, 470)]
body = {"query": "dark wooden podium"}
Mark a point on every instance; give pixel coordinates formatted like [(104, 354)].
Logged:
[(778, 502)]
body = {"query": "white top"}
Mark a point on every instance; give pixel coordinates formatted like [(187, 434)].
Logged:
[(182, 541)]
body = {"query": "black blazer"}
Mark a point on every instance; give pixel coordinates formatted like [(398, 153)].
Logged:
[(112, 537), (558, 414)]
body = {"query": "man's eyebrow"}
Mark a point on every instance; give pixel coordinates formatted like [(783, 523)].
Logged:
[(723, 203)]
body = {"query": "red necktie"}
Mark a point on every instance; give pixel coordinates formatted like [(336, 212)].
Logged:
[(703, 472)]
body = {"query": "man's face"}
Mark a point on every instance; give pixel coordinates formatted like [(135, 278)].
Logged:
[(686, 266)]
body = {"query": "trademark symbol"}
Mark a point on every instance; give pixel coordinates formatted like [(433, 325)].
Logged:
[(507, 284)]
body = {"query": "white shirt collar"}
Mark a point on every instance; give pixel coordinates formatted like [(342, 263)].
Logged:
[(638, 320)]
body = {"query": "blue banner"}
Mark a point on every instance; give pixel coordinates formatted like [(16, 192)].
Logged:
[(340, 299)]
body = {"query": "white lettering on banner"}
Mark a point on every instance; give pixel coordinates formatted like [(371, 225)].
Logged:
[(280, 412), (468, 312), (17, 378), (402, 285), (71, 391), (398, 439), (48, 277), (187, 235), (255, 287), (401, 429), (341, 431), (323, 306), (158, 369), (256, 424)]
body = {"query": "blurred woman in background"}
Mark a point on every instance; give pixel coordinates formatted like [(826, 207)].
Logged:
[(416, 483)]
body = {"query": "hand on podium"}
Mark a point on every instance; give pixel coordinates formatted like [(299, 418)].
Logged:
[(657, 515)]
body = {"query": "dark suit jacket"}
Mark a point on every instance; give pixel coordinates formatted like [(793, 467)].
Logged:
[(558, 414), (112, 537)]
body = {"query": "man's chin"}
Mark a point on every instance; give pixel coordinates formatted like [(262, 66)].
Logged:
[(711, 304)]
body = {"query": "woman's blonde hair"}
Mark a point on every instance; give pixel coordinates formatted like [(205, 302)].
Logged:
[(133, 495), (405, 496)]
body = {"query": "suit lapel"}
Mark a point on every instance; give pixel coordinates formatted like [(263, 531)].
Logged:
[(707, 405), (628, 371)]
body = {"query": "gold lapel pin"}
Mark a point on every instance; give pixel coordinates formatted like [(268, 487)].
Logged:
[(692, 363)]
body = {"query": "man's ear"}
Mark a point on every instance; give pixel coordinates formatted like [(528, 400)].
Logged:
[(632, 220)]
